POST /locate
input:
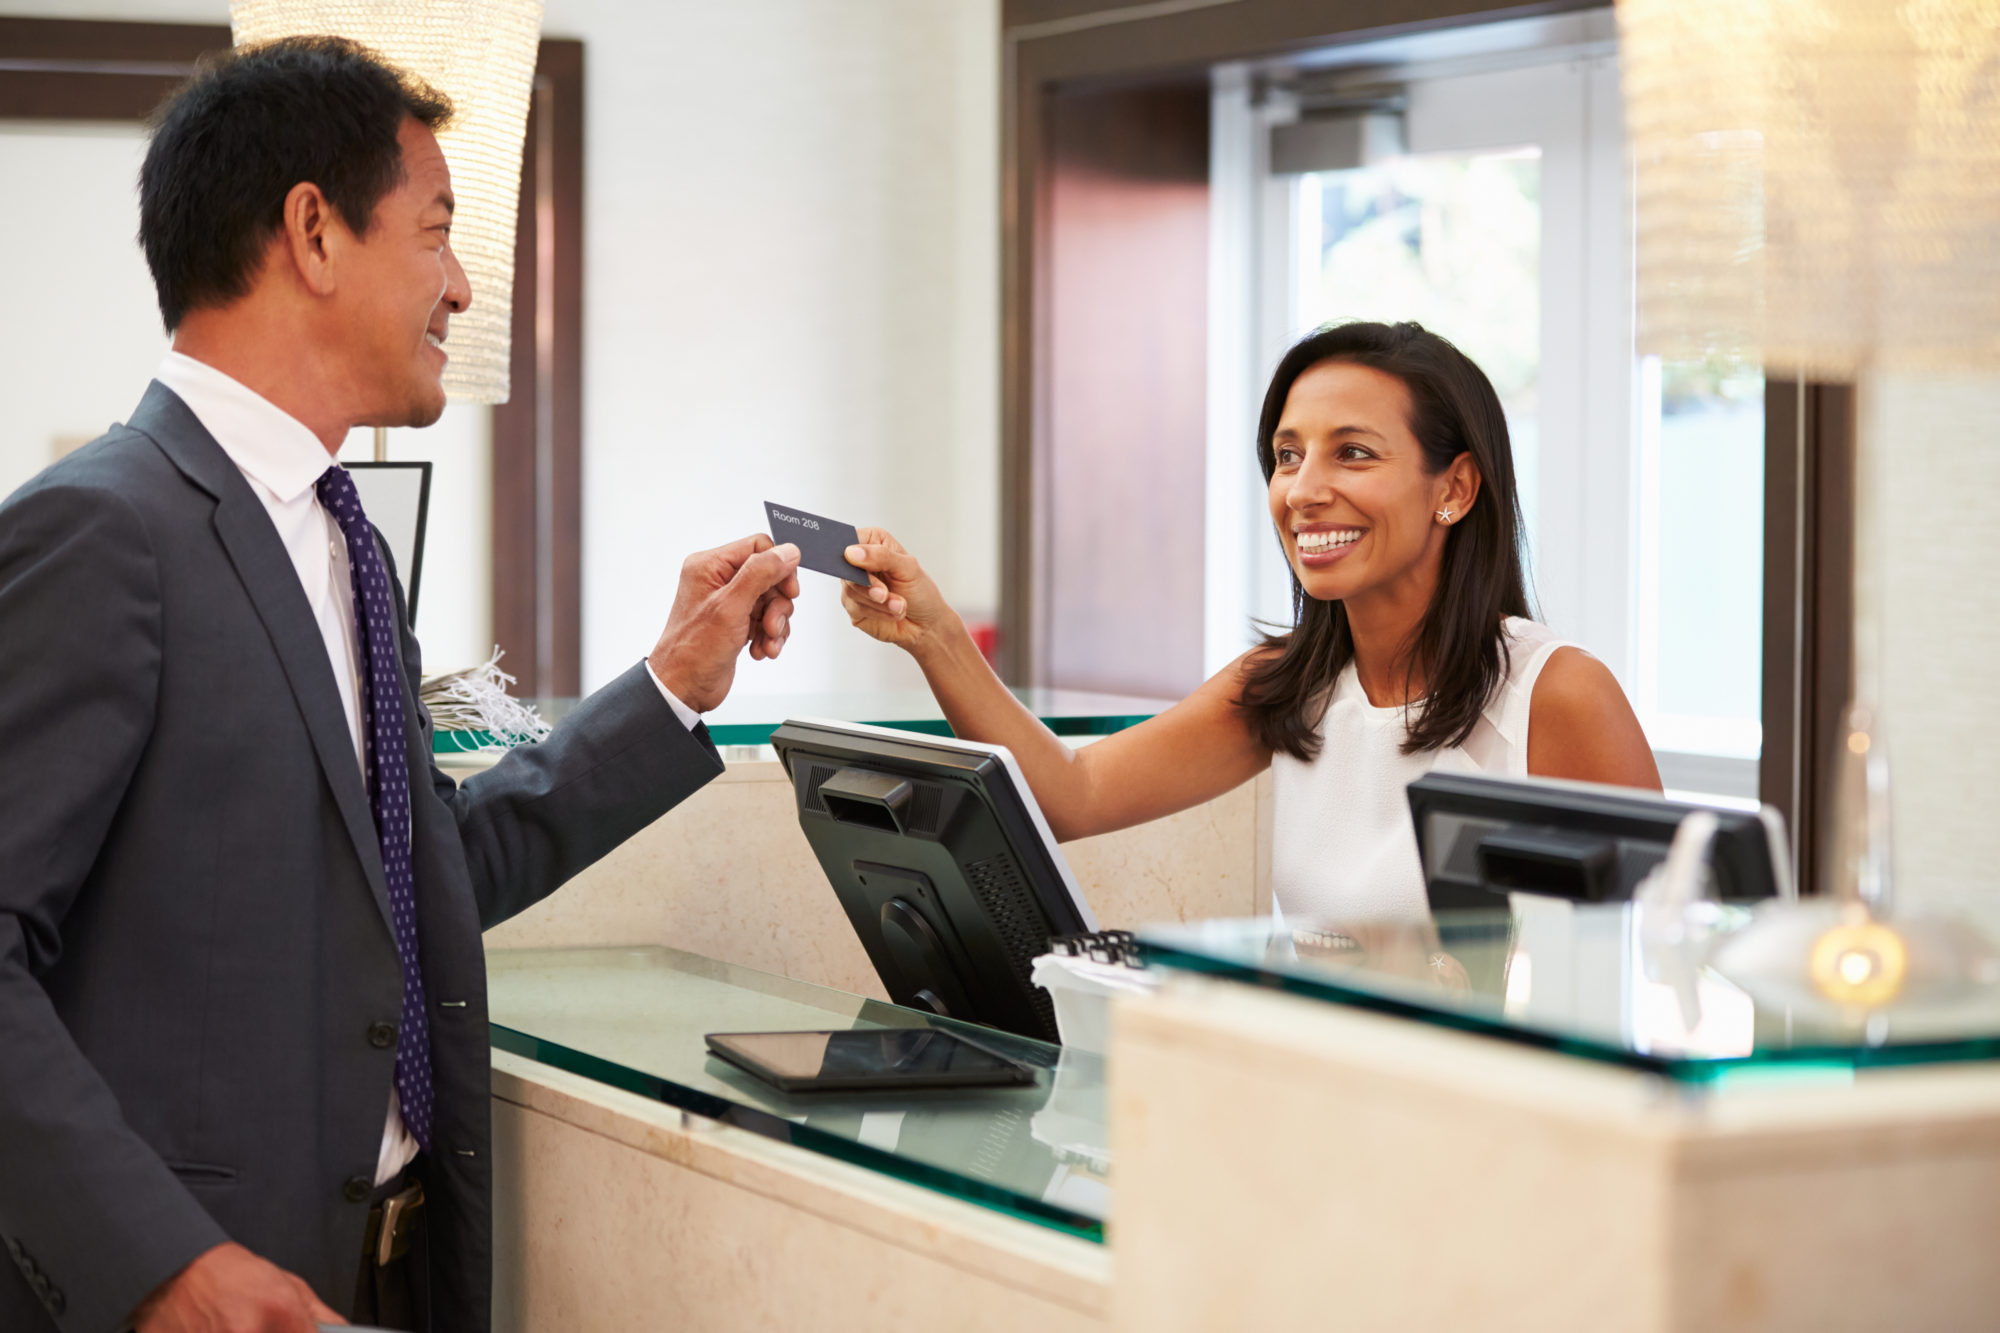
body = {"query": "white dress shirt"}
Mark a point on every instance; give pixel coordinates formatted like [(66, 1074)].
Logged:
[(282, 459)]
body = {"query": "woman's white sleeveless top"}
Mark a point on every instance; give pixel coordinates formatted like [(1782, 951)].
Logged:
[(1342, 842)]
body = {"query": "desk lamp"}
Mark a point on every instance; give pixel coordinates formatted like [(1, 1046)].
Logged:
[(481, 54), (1818, 187)]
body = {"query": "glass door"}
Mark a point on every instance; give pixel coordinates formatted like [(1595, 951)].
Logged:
[(1699, 588)]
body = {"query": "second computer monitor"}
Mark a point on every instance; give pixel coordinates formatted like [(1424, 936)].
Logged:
[(1481, 838)]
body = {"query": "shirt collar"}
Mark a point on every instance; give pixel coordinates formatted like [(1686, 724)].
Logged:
[(268, 445)]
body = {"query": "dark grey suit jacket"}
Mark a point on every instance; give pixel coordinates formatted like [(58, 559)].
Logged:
[(195, 949)]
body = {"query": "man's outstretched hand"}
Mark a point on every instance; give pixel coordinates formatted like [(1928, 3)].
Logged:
[(732, 596), (230, 1290)]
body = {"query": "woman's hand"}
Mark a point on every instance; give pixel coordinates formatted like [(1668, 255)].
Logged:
[(901, 604)]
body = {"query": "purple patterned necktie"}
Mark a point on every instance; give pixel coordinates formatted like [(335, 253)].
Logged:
[(388, 784)]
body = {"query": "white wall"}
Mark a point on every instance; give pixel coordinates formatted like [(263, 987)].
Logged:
[(455, 608), (792, 293), (80, 336), (79, 329)]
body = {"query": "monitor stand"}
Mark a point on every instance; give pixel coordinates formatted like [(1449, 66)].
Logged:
[(930, 980)]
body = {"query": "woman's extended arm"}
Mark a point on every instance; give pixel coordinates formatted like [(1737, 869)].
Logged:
[(1196, 750), (1580, 726)]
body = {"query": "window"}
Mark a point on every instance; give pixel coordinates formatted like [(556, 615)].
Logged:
[(1699, 596)]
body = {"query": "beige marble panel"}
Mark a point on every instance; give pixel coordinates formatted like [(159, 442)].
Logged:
[(1927, 622), (1198, 864), (612, 1212), (726, 874), (729, 875), (1265, 1181), (1867, 1207), (1817, 1248), (1283, 1164)]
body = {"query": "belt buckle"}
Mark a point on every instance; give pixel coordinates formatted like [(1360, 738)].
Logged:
[(392, 1237)]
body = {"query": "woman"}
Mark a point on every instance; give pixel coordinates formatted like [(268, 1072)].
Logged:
[(1392, 490)]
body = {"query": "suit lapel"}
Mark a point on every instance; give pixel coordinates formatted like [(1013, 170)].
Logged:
[(271, 581)]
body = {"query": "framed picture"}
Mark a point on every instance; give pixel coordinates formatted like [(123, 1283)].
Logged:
[(397, 498)]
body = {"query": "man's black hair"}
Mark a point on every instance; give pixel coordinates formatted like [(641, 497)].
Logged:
[(231, 143)]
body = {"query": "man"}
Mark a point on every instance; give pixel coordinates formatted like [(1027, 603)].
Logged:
[(243, 1052)]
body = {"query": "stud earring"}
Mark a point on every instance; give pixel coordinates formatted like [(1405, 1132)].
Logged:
[(1444, 517)]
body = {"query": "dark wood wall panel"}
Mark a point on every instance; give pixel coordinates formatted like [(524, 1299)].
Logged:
[(1809, 448), (538, 431), (1127, 253), (76, 69)]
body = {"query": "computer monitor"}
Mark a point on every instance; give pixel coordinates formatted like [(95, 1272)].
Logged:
[(397, 499), (1482, 838), (943, 863)]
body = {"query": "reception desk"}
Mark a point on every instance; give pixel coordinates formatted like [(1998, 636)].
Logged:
[(1272, 1154), (1511, 1122)]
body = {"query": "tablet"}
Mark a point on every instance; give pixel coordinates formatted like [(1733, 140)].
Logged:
[(872, 1059)]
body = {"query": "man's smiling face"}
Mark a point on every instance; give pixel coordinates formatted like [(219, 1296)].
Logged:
[(400, 285)]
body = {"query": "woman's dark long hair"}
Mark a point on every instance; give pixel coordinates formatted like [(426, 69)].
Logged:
[(1459, 648)]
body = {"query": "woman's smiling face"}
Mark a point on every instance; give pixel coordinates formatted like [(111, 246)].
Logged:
[(1354, 502)]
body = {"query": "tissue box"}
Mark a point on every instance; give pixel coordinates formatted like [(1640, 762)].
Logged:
[(1082, 989)]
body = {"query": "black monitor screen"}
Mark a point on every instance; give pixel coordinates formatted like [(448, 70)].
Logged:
[(943, 863), (1482, 838)]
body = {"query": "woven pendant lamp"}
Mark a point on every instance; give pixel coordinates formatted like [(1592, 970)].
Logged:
[(1817, 187), (1818, 181), (481, 54)]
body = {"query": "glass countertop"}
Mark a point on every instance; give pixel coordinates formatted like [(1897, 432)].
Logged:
[(634, 1018), (749, 719), (1702, 997)]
